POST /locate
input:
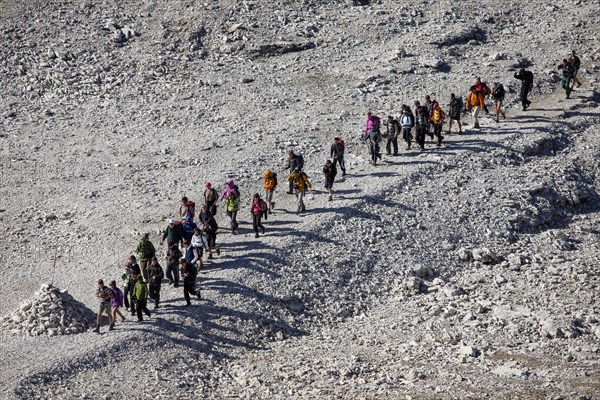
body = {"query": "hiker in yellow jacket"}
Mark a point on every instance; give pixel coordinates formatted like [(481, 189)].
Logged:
[(437, 120), (475, 103), (300, 183)]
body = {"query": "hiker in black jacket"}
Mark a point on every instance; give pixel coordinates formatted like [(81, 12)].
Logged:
[(526, 78), (337, 153)]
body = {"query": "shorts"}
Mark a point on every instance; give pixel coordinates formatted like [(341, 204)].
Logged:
[(498, 101), (328, 183), (455, 117), (105, 307)]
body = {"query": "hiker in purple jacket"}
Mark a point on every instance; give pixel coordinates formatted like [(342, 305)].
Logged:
[(231, 187), (116, 301)]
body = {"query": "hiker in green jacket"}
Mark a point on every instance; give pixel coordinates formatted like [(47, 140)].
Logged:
[(140, 292), (145, 251)]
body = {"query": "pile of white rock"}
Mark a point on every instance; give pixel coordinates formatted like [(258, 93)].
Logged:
[(51, 312)]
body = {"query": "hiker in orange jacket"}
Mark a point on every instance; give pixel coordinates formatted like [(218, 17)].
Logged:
[(474, 103), (269, 183)]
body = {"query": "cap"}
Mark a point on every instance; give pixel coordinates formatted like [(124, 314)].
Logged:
[(100, 282)]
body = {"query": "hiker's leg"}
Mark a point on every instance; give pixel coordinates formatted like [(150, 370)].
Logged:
[(144, 268)]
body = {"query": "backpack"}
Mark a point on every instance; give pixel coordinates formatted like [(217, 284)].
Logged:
[(191, 207), (147, 252), (262, 205), (499, 92), (461, 104), (274, 175), (374, 135)]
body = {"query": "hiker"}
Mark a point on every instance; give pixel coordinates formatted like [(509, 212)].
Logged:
[(300, 183), (210, 227), (526, 78), (475, 104), (568, 72), (330, 171), (407, 121), (131, 267), (140, 292), (173, 256), (270, 183), (200, 243), (257, 209), (498, 93), (230, 188), (189, 226), (129, 290), (576, 63), (145, 251), (337, 153), (422, 123), (485, 91), (429, 106), (156, 274), (455, 108), (117, 301), (173, 233), (372, 133), (295, 163), (393, 131), (426, 112), (105, 294), (373, 123), (211, 196), (191, 254), (186, 209), (437, 120), (189, 281), (232, 203)]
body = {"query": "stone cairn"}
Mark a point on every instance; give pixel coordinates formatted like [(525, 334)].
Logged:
[(51, 312)]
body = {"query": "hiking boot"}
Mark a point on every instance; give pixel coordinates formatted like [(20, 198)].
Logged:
[(199, 296), (140, 319), (218, 250), (476, 126), (122, 319), (503, 115), (256, 235), (497, 120), (188, 304), (263, 229), (111, 327), (210, 256), (330, 198), (289, 192), (343, 173), (97, 330)]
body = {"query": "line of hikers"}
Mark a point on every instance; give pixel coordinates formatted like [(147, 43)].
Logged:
[(428, 119), (187, 241)]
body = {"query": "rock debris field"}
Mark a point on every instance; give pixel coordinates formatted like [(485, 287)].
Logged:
[(469, 271)]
